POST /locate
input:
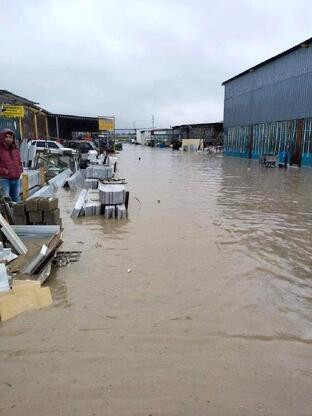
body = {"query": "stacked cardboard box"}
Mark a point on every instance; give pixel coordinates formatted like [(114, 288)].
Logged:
[(37, 211)]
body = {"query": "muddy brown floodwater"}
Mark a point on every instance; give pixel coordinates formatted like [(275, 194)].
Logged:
[(215, 317)]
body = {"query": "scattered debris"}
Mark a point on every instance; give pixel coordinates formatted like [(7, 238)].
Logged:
[(6, 254), (62, 258), (43, 257)]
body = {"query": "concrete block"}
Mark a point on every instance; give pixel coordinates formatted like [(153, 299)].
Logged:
[(51, 217), (35, 216), (19, 209), (20, 220), (48, 204), (32, 205)]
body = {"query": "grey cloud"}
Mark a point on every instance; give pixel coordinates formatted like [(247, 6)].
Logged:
[(133, 59)]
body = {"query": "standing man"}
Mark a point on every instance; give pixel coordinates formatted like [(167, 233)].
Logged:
[(10, 166)]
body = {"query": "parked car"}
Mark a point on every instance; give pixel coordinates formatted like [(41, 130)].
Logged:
[(52, 146), (82, 147), (85, 149)]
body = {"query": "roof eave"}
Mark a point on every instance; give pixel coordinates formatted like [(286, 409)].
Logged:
[(304, 44)]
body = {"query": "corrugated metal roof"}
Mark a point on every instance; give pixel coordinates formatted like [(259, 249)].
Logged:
[(73, 117), (219, 123), (11, 98), (304, 44)]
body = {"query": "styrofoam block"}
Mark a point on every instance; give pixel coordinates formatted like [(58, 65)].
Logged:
[(121, 211), (99, 172), (79, 204), (59, 180), (92, 208), (75, 181), (90, 183), (109, 211), (112, 194), (4, 280), (45, 191)]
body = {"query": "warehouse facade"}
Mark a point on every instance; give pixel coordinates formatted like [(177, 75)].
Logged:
[(268, 108), (198, 136)]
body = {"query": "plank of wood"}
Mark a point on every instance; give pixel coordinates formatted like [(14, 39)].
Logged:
[(25, 186)]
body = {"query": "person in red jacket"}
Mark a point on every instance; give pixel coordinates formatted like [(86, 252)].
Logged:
[(10, 166)]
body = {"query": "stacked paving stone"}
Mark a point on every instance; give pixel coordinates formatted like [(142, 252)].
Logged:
[(37, 211)]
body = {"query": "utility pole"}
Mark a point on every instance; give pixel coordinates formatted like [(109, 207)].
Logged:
[(153, 121)]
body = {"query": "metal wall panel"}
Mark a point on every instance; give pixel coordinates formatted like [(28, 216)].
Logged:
[(12, 124), (280, 90)]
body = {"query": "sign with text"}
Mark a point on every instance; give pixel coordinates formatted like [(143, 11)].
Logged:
[(12, 111), (106, 123)]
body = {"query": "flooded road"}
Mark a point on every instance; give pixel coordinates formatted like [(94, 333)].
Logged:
[(214, 317)]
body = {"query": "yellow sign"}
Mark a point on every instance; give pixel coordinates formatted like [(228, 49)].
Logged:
[(106, 123), (12, 111)]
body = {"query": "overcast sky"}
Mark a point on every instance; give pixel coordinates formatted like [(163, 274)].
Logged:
[(134, 58)]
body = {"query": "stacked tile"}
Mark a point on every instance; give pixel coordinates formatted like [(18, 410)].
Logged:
[(112, 194), (99, 172)]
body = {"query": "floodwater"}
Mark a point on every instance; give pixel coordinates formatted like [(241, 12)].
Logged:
[(199, 304)]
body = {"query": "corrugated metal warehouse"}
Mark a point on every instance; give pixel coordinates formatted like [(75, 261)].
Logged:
[(268, 108)]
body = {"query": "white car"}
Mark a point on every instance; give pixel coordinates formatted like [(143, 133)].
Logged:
[(52, 146)]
